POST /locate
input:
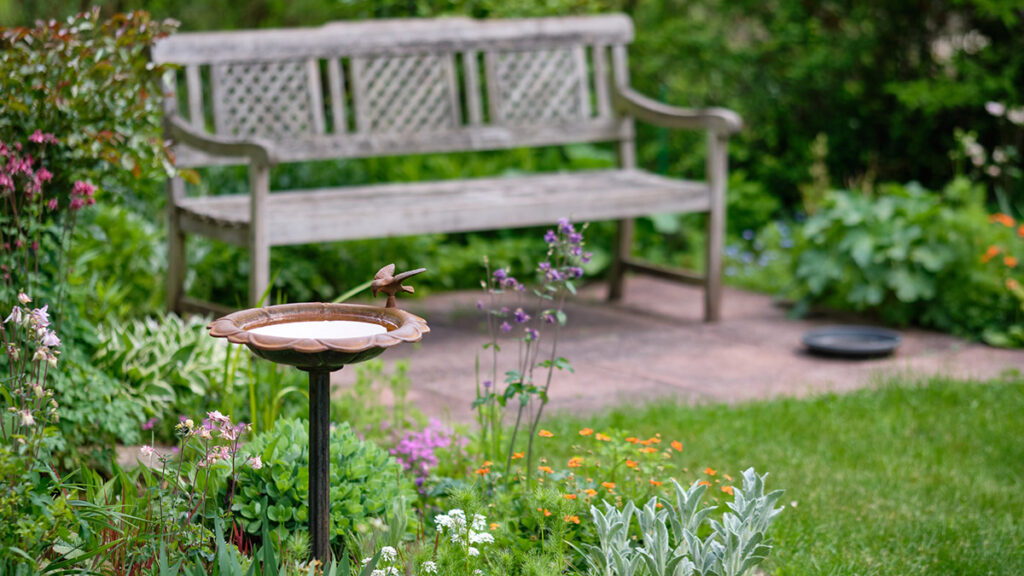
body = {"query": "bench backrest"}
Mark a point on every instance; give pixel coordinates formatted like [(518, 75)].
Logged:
[(390, 87)]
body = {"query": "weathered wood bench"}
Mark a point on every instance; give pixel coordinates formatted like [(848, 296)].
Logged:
[(384, 88)]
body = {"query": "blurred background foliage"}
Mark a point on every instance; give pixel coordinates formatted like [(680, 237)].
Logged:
[(835, 95)]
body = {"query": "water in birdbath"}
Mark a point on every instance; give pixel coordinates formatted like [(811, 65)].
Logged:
[(325, 329)]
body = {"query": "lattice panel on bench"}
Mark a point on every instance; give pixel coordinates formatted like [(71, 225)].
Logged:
[(272, 99), (405, 94), (538, 86)]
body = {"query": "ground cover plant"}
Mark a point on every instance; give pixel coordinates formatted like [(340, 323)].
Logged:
[(916, 476)]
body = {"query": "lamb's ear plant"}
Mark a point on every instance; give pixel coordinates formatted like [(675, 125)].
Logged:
[(735, 545), (657, 551)]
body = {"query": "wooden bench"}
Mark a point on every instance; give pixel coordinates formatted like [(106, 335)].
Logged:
[(385, 88)]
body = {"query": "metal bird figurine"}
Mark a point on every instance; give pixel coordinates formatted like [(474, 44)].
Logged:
[(389, 283)]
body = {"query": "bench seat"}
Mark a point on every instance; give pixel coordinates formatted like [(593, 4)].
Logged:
[(324, 215)]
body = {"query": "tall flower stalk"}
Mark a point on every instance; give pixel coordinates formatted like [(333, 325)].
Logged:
[(530, 316)]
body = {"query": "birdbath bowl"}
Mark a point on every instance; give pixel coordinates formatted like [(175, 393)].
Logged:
[(318, 337), (321, 338)]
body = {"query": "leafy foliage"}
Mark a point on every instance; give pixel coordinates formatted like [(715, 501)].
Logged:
[(365, 482), (907, 255)]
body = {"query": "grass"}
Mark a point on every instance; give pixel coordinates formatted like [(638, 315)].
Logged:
[(909, 478)]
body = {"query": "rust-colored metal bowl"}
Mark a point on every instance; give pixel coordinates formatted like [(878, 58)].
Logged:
[(319, 354)]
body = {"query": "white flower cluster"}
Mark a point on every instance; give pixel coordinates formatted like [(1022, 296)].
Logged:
[(388, 557), (455, 526)]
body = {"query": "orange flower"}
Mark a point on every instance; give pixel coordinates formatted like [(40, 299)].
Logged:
[(1010, 262), (659, 505), (991, 253), (575, 462), (727, 490), (1012, 284), (494, 525), (545, 434), (655, 482), (518, 455), (704, 483), (632, 440), (569, 496), (586, 432), (546, 469), (590, 492), (602, 437), (544, 511), (483, 471), (727, 477), (631, 464), (1020, 231), (573, 519), (677, 446), (1004, 219), (648, 450), (710, 471), (608, 485)]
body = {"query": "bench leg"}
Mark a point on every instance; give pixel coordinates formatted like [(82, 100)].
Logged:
[(623, 246), (259, 245), (717, 175), (175, 248)]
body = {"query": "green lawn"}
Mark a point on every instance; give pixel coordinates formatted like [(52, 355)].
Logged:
[(905, 479)]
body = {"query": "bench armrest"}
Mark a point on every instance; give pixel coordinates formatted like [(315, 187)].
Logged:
[(632, 103), (255, 149)]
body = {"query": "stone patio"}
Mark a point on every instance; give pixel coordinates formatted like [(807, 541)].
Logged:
[(653, 346)]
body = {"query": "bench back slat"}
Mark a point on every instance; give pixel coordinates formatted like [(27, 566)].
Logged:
[(403, 87)]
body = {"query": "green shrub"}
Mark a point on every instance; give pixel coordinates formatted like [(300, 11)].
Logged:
[(366, 483), (164, 364), (907, 255)]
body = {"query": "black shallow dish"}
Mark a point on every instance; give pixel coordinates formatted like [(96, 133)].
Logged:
[(852, 341)]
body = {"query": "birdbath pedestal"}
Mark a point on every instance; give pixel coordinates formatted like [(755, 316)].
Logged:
[(321, 338)]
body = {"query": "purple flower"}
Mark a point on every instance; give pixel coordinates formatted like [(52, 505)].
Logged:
[(544, 266), (506, 327), (487, 384), (547, 317), (149, 424), (553, 275), (510, 282), (564, 226), (532, 334), (500, 274), (585, 258), (576, 272), (479, 304), (521, 316), (550, 237), (575, 238)]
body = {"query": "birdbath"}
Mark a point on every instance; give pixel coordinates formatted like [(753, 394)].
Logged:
[(321, 338)]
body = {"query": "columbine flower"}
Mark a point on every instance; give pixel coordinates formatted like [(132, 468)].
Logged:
[(15, 316), (50, 339), (550, 237), (565, 226), (521, 316), (40, 317), (532, 334), (506, 327), (500, 274), (147, 450), (26, 418), (24, 298)]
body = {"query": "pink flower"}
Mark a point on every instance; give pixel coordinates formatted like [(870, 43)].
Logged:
[(40, 137), (50, 339), (24, 298), (43, 175), (77, 203), (255, 462), (147, 451), (82, 188), (52, 204)]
